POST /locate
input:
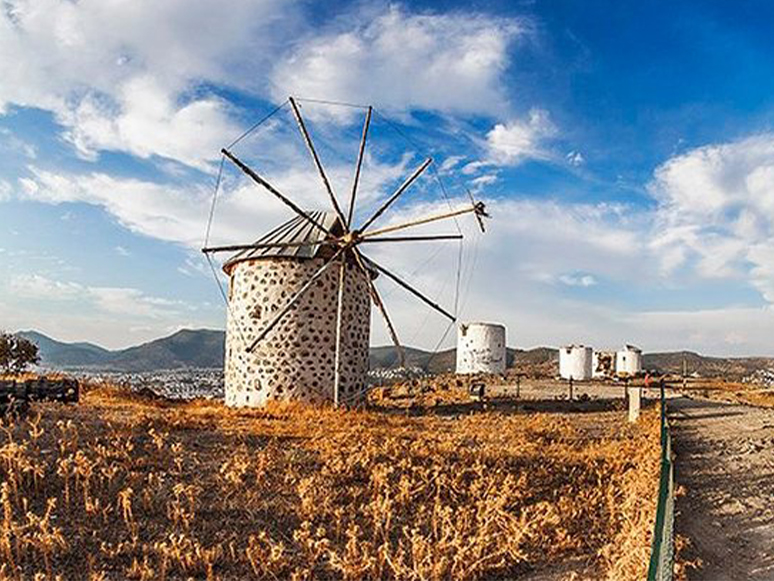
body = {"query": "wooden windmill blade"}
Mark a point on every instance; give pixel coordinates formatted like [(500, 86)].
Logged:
[(403, 187), (317, 162), (359, 165), (271, 189), (478, 209), (377, 299)]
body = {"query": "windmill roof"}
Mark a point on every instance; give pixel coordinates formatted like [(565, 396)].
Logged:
[(304, 237)]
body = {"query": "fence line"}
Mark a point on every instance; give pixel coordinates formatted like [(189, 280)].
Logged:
[(662, 551)]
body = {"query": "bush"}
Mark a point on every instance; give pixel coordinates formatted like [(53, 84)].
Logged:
[(17, 353)]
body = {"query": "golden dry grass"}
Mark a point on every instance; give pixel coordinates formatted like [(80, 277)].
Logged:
[(122, 487), (730, 391)]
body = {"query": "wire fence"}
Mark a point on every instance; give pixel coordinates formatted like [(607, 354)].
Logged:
[(662, 554)]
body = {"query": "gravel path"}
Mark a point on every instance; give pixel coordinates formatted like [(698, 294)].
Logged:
[(725, 461)]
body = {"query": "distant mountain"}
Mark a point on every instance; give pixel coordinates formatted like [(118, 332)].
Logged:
[(186, 348), (57, 354), (729, 367), (205, 348)]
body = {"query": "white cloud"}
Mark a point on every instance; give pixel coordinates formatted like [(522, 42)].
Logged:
[(111, 300), (122, 251), (150, 121), (179, 214), (450, 163), (513, 142), (575, 158), (582, 280), (13, 144), (716, 211), (512, 273), (129, 75), (451, 62), (5, 190), (40, 287), (484, 180)]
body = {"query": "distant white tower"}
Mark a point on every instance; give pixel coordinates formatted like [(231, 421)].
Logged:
[(575, 362), (481, 348), (628, 361)]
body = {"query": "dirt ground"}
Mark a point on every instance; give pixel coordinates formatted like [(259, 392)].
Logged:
[(725, 462)]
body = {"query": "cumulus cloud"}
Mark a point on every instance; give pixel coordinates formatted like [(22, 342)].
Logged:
[(581, 280), (176, 213), (131, 76), (149, 121), (510, 273), (575, 158), (140, 77), (451, 62), (520, 139), (716, 211), (5, 190), (112, 300)]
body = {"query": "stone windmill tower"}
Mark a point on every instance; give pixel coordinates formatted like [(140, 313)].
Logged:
[(299, 299)]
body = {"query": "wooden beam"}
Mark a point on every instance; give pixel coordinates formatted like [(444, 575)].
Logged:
[(415, 238), (411, 289), (317, 162), (237, 247), (360, 154), (271, 189), (382, 309), (404, 186), (420, 221), (339, 334)]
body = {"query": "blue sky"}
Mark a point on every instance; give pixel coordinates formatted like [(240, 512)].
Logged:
[(625, 150)]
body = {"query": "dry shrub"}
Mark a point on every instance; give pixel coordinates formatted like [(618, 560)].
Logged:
[(144, 489)]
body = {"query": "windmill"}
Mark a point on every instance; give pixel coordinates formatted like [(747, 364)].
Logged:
[(316, 255)]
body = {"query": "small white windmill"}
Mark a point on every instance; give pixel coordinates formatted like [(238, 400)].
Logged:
[(299, 298)]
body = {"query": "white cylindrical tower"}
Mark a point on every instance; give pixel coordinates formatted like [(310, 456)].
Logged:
[(295, 361), (628, 361), (575, 362), (481, 348)]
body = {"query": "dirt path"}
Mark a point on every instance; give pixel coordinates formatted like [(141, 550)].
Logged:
[(725, 460)]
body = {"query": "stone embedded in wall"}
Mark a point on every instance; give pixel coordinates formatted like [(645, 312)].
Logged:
[(295, 361)]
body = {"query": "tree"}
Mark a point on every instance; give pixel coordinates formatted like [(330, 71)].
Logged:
[(16, 353)]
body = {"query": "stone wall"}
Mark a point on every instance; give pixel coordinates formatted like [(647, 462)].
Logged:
[(295, 361)]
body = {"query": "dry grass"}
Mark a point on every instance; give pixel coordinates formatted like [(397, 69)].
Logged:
[(121, 487), (719, 389)]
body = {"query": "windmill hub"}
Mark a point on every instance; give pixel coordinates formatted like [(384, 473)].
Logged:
[(349, 239)]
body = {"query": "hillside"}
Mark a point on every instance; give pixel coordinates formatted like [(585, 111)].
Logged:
[(186, 348), (729, 367), (55, 353)]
